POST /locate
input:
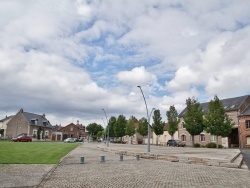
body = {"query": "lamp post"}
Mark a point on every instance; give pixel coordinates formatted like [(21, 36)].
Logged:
[(148, 120), (150, 114), (108, 128), (105, 131)]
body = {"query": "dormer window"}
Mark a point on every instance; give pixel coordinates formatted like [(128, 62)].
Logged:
[(45, 123), (34, 121), (232, 106)]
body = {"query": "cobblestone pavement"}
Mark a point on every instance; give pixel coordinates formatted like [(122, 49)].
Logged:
[(114, 173), (142, 173)]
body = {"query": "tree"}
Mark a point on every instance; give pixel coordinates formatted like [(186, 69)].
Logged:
[(173, 121), (193, 119), (216, 120), (158, 125), (111, 125), (94, 128), (143, 127), (120, 126), (130, 127)]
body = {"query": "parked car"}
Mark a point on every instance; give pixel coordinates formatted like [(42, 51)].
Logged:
[(67, 140), (80, 139), (175, 143), (22, 138)]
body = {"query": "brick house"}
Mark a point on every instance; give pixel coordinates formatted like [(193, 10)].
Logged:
[(29, 124), (73, 131), (3, 125), (237, 109), (244, 127)]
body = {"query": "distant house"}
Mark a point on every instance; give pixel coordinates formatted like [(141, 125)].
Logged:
[(29, 124), (3, 125), (162, 139), (238, 109), (73, 131)]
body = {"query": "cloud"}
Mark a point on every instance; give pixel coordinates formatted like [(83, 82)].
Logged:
[(137, 76)]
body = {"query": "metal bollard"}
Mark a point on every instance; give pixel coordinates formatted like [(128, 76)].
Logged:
[(103, 159), (121, 157), (81, 160), (137, 157)]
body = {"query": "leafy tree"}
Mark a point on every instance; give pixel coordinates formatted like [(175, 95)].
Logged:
[(101, 134), (120, 126), (158, 125), (216, 120), (111, 125), (193, 119), (173, 121), (39, 133), (94, 128), (143, 127), (130, 127)]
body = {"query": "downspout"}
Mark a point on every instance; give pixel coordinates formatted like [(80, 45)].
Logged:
[(239, 131)]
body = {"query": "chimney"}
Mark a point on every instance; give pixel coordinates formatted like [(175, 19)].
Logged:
[(44, 115), (21, 110), (77, 122)]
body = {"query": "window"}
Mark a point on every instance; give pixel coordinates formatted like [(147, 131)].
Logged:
[(212, 138), (34, 131), (248, 140), (202, 136), (183, 138), (183, 125), (71, 128), (46, 133), (247, 124)]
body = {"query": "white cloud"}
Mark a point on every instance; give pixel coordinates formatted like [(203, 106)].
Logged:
[(137, 76)]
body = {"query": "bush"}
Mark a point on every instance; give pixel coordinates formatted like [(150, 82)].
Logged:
[(211, 145), (197, 145), (220, 146)]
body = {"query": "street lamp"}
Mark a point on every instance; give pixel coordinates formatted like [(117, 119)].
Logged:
[(148, 119), (108, 128), (150, 114), (105, 131)]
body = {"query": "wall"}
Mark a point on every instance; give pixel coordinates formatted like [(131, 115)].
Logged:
[(17, 125)]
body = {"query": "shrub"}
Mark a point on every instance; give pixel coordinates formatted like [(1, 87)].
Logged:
[(220, 146), (211, 145), (197, 145)]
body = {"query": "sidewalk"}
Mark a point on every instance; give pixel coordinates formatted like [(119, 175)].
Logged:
[(127, 173)]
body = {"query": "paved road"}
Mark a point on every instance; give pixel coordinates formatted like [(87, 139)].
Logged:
[(115, 173), (246, 156)]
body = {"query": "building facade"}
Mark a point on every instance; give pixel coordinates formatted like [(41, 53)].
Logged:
[(237, 109), (29, 124), (3, 125)]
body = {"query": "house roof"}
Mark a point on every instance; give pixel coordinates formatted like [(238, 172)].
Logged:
[(6, 118), (230, 104), (246, 112), (41, 119)]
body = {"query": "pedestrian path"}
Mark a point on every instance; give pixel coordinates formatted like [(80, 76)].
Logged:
[(125, 173)]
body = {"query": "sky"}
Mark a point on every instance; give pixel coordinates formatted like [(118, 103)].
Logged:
[(69, 59)]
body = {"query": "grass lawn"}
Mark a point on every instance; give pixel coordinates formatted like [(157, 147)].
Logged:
[(34, 152)]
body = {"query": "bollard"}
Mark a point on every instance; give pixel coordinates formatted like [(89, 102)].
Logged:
[(121, 157), (82, 160), (137, 157), (102, 159)]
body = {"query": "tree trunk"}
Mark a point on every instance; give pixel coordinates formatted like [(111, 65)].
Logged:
[(192, 140), (217, 146), (157, 140), (172, 137)]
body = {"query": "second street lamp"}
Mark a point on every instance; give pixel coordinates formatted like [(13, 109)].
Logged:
[(148, 149), (107, 127)]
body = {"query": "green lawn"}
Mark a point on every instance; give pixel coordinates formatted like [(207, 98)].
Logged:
[(34, 152)]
